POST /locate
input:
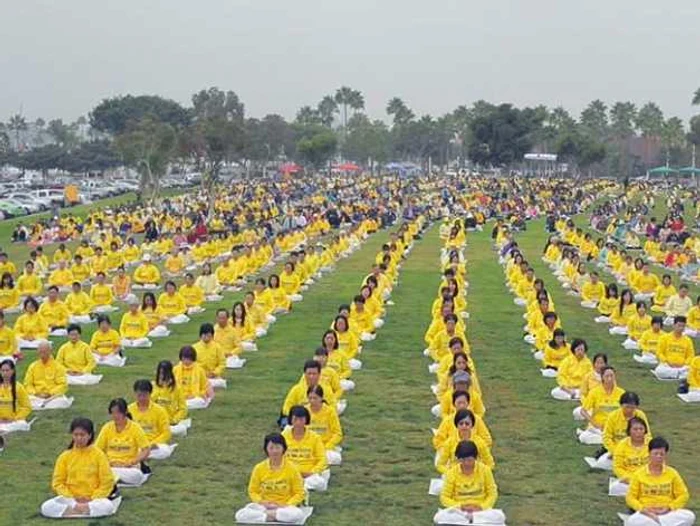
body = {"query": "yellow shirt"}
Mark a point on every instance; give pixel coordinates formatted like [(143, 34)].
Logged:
[(477, 489), (326, 424), (123, 446), (675, 351), (227, 338), (154, 421), (171, 305), (307, 454), (45, 378), (599, 404), (9, 298), (105, 343), (192, 294), (80, 272), (572, 371), (83, 472), (446, 456), (593, 292), (666, 490), (29, 285), (22, 407), (78, 304), (8, 341), (283, 486), (31, 327), (172, 400), (147, 274), (211, 357), (55, 313), (649, 341), (134, 326), (615, 429), (627, 459), (61, 277), (193, 380), (101, 295), (76, 357)]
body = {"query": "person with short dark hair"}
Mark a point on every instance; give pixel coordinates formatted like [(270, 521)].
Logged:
[(210, 356), (469, 492), (657, 493), (676, 351), (153, 419), (76, 357), (276, 488), (193, 379), (305, 450), (82, 479), (629, 455)]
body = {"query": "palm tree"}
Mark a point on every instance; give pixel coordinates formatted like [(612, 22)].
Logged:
[(326, 109), (399, 111), (696, 97), (357, 101), (673, 136), (18, 124), (344, 96), (307, 116)]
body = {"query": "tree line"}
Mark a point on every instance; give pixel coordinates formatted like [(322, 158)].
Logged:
[(150, 133)]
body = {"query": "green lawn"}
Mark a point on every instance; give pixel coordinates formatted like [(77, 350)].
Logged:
[(387, 452)]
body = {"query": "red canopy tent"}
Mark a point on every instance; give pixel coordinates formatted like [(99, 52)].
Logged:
[(348, 167), (290, 168)]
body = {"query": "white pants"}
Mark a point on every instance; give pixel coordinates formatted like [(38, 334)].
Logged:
[(145, 286), (591, 436), (347, 385), (317, 481), (59, 402), (334, 458), (341, 406), (367, 336), (213, 297), (260, 332), (195, 310), (15, 426), (55, 508), (271, 319), (457, 516), (198, 403), (578, 413), (691, 396), (295, 298), (138, 343), (234, 362), (249, 346), (83, 379), (646, 358), (539, 355), (58, 333), (105, 309), (28, 344), (355, 364), (378, 323), (159, 331), (602, 319), (559, 394), (589, 304), (436, 411), (162, 451), (128, 297), (617, 488), (217, 383), (256, 513), (603, 462), (180, 429), (80, 319), (520, 302), (529, 338), (680, 517), (111, 360), (643, 296), (129, 476), (690, 332), (178, 319), (666, 372), (618, 330), (549, 373), (630, 344)]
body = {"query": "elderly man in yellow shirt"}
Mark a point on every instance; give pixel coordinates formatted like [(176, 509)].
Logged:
[(76, 358), (45, 381), (675, 352), (146, 275), (62, 276)]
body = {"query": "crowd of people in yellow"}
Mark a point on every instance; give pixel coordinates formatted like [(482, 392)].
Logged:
[(654, 492)]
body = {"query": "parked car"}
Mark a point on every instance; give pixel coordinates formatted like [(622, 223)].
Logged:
[(12, 210)]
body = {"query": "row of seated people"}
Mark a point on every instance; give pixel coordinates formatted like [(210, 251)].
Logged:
[(612, 415), (299, 458)]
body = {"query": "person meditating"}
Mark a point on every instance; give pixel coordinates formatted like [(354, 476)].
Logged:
[(276, 488), (82, 479), (470, 491)]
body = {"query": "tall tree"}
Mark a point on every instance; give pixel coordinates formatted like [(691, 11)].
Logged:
[(347, 97), (594, 119), (673, 138), (622, 121), (148, 146), (696, 97), (367, 141), (650, 120), (400, 112), (215, 103), (18, 125), (307, 116), (62, 134), (317, 149), (326, 110), (118, 114)]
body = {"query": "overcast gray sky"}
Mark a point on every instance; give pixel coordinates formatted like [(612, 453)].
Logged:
[(58, 58)]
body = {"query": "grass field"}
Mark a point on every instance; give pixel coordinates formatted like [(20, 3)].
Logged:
[(387, 451)]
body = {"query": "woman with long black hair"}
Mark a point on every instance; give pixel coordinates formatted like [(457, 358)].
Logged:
[(15, 406)]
